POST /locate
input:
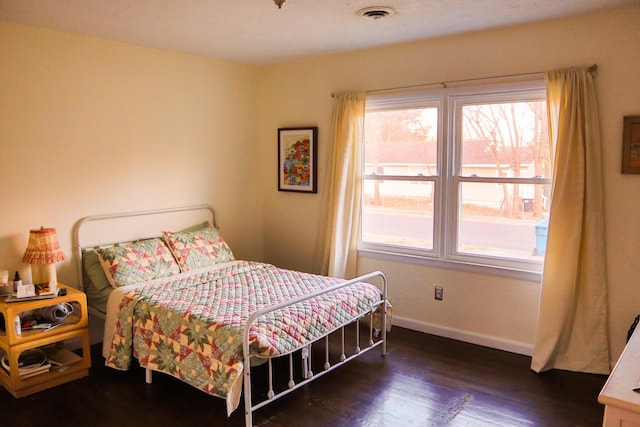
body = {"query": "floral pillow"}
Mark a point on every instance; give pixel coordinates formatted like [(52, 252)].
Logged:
[(137, 262), (198, 248)]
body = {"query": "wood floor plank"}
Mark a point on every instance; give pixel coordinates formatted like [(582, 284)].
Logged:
[(423, 381)]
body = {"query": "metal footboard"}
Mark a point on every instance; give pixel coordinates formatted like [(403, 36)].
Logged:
[(308, 374)]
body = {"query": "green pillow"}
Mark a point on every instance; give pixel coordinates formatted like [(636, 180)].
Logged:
[(94, 270), (196, 227)]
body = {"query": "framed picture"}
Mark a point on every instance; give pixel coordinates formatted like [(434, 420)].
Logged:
[(631, 145), (297, 159)]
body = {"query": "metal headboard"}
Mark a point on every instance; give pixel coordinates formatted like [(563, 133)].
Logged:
[(77, 247)]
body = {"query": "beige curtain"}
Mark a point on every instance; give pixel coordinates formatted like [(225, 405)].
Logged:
[(338, 243), (572, 320)]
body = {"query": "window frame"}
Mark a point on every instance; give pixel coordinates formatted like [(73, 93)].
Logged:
[(448, 179)]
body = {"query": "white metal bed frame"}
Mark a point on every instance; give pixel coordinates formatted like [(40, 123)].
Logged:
[(308, 374), (306, 350)]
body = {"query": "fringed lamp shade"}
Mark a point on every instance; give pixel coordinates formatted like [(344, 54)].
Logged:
[(43, 251), (43, 247)]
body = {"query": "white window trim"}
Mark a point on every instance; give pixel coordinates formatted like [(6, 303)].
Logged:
[(445, 219)]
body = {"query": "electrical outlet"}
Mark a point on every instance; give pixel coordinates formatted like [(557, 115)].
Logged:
[(438, 293)]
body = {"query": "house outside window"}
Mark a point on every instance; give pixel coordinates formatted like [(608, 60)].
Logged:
[(458, 175)]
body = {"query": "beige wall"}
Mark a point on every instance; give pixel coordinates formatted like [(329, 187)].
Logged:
[(89, 126), (491, 310)]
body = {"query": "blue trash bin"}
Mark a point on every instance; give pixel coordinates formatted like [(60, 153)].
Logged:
[(542, 228)]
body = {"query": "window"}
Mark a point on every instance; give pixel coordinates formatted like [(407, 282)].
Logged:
[(458, 174)]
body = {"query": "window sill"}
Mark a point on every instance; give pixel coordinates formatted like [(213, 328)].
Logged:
[(529, 276)]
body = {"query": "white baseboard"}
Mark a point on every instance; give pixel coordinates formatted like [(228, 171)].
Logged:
[(466, 336)]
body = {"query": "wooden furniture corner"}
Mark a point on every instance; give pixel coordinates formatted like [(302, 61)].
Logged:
[(72, 329), (622, 403)]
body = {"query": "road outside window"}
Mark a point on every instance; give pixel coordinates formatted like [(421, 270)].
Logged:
[(459, 174)]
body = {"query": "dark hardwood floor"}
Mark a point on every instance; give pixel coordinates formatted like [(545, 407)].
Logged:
[(423, 381)]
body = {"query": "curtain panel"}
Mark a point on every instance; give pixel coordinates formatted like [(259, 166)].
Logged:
[(339, 248), (572, 332)]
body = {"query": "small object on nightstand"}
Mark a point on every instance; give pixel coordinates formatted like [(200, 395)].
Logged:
[(17, 281), (62, 292), (25, 291), (4, 277), (6, 287), (16, 324)]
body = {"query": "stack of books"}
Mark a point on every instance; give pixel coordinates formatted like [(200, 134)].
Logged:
[(40, 360), (30, 363), (33, 370), (61, 358)]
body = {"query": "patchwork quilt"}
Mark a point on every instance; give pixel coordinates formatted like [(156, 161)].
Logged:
[(190, 326)]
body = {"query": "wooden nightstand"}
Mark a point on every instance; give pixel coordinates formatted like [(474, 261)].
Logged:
[(73, 331)]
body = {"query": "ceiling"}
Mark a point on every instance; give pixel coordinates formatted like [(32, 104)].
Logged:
[(257, 32)]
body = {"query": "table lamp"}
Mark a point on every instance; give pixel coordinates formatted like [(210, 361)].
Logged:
[(42, 252)]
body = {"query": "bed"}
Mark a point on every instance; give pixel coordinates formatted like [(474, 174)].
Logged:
[(180, 303)]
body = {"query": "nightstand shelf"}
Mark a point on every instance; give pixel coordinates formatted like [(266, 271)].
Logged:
[(73, 331)]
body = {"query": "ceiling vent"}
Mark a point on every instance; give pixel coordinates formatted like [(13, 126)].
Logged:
[(376, 12)]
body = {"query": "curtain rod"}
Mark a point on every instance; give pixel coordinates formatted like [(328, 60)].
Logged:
[(592, 69)]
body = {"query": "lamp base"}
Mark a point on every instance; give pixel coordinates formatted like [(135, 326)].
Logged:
[(43, 274)]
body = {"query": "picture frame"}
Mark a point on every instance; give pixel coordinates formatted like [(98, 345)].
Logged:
[(297, 159), (631, 145)]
